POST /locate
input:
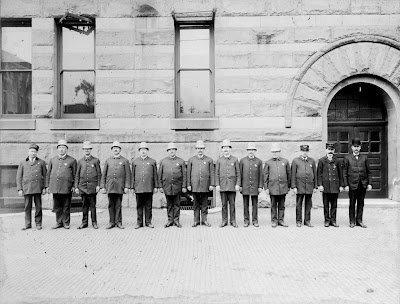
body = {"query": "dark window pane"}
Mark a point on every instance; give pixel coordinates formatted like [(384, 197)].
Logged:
[(363, 135), (17, 92), (331, 115), (364, 147), (78, 92), (332, 105), (365, 114), (194, 92), (375, 136), (195, 48), (344, 148), (16, 48), (375, 147), (353, 104), (376, 114), (332, 136), (354, 114), (341, 104), (343, 136), (78, 50), (341, 114), (8, 183)]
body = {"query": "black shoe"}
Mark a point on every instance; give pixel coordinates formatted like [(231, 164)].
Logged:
[(256, 225), (178, 225), (206, 224), (234, 225), (27, 227), (282, 224), (150, 225), (195, 224), (246, 225), (326, 224), (360, 224), (119, 225), (274, 224), (57, 226), (352, 225), (110, 226), (223, 225), (334, 225), (82, 226), (66, 226)]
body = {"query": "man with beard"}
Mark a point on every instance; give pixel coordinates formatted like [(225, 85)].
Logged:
[(31, 177), (329, 183), (200, 180), (357, 180)]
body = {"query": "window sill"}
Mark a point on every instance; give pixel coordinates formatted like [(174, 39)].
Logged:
[(75, 124), (17, 124), (195, 124)]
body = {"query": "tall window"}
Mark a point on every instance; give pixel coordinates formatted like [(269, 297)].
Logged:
[(76, 66), (16, 67), (194, 64)]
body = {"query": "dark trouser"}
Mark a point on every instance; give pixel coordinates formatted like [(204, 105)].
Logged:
[(62, 208), (89, 201), (144, 201), (357, 196), (307, 207), (254, 208), (200, 201), (330, 199), (225, 197), (114, 208), (37, 197), (277, 208), (173, 208)]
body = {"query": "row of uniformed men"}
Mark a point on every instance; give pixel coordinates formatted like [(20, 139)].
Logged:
[(65, 175)]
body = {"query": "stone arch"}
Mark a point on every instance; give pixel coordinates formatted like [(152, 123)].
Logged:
[(358, 55)]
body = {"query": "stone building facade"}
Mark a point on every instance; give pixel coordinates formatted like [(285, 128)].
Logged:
[(294, 72)]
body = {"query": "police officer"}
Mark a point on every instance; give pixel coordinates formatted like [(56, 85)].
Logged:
[(60, 181), (172, 182), (144, 184), (357, 180), (251, 172), (227, 181), (115, 181), (87, 183), (277, 181), (330, 183), (304, 184), (31, 177), (200, 180)]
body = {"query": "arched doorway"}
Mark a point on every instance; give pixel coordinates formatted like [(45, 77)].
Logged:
[(358, 110)]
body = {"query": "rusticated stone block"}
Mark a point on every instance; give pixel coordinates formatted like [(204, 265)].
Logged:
[(124, 8), (267, 108), (241, 8), (315, 82), (42, 85), (390, 7), (326, 69), (19, 8), (116, 37), (277, 84), (274, 35), (326, 7), (154, 61), (346, 31), (115, 61), (232, 84), (365, 6), (155, 22), (115, 109), (232, 109), (288, 7), (235, 36), (306, 109), (312, 34), (271, 59), (43, 105), (231, 60), (158, 36), (154, 85), (43, 37), (42, 61)]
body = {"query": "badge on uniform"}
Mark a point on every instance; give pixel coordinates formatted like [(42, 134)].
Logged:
[(205, 163), (310, 165), (177, 164), (65, 164), (283, 164), (120, 163), (232, 164), (92, 165), (255, 165), (148, 163)]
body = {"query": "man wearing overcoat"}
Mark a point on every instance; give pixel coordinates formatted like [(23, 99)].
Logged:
[(200, 180), (60, 181), (87, 184), (304, 184), (277, 181), (31, 177), (329, 179), (251, 172), (227, 181), (357, 180), (115, 181), (172, 182), (144, 184)]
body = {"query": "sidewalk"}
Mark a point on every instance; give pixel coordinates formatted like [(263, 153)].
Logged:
[(203, 265)]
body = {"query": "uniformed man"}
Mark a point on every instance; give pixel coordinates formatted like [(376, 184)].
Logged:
[(330, 183), (357, 180), (31, 177), (277, 181), (144, 184), (172, 182), (252, 183), (200, 180), (60, 181), (227, 181), (87, 183), (304, 184), (115, 181)]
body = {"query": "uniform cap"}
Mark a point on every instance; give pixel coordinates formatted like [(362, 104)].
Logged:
[(251, 146), (304, 148), (86, 145), (116, 144), (200, 144), (62, 142), (226, 143), (143, 145), (356, 142), (171, 145), (34, 146), (275, 147)]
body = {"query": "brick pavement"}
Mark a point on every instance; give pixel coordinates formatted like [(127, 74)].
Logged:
[(203, 265)]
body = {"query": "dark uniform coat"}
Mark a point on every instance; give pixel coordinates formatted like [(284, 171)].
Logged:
[(251, 174), (329, 174), (304, 175), (200, 173), (355, 171), (144, 175), (88, 175), (227, 173), (277, 176), (116, 175), (172, 175), (61, 174), (31, 176)]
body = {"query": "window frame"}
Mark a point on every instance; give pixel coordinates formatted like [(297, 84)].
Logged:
[(13, 22), (194, 22), (60, 71)]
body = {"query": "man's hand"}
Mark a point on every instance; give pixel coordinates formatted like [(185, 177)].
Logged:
[(189, 188), (259, 190), (346, 188), (133, 191), (155, 190), (240, 189), (97, 189), (126, 190), (369, 187), (211, 188), (72, 189), (341, 189), (237, 188), (321, 188), (295, 190), (76, 190), (267, 191), (44, 191), (218, 188), (315, 190), (47, 190), (103, 190), (20, 192), (161, 190), (184, 190)]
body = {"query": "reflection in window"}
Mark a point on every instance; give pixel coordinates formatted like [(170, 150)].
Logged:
[(16, 66), (77, 75)]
